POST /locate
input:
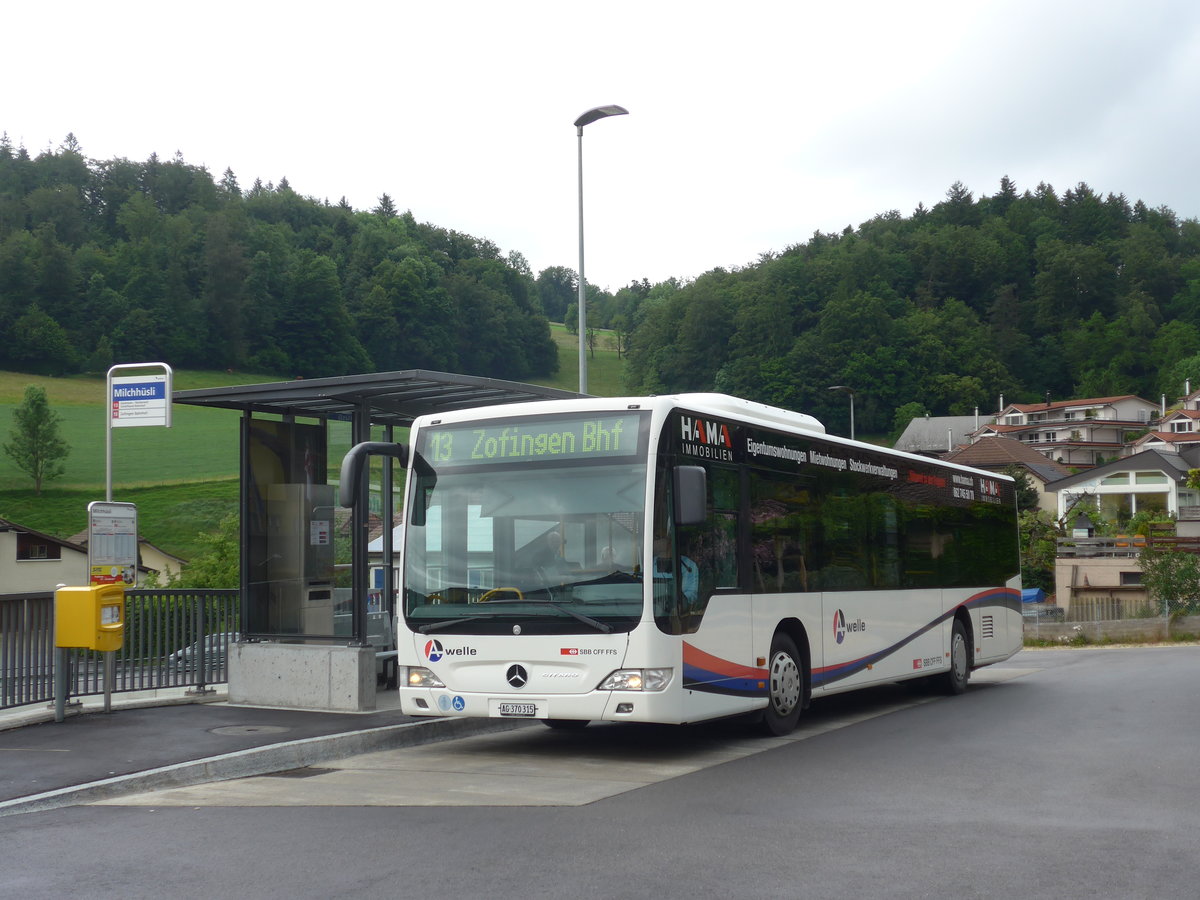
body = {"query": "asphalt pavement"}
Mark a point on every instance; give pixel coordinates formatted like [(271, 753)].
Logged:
[(175, 740)]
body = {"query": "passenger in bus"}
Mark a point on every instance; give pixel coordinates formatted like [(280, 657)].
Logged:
[(543, 557)]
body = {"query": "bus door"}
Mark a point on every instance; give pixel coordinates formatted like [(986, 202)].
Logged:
[(712, 612)]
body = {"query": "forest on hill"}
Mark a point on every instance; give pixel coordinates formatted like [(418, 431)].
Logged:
[(104, 261), (1021, 293)]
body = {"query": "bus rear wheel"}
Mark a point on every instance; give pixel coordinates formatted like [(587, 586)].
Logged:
[(785, 692)]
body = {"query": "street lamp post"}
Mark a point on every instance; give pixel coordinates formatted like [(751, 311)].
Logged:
[(847, 390), (600, 112)]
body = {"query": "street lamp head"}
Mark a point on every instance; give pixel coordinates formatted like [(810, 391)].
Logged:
[(600, 112), (842, 387)]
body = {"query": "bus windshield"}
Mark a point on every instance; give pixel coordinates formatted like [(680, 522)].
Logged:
[(527, 545)]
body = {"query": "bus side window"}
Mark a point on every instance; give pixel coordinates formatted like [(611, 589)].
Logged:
[(783, 519)]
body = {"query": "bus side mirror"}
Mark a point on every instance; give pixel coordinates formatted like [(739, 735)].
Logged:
[(691, 495), (356, 460)]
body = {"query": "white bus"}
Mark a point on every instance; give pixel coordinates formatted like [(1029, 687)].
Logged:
[(681, 558)]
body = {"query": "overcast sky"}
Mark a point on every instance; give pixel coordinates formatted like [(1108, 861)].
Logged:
[(751, 125)]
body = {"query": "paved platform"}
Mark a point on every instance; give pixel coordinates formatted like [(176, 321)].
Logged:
[(212, 753), (172, 739)]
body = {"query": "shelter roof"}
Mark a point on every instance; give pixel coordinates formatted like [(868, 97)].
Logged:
[(393, 398)]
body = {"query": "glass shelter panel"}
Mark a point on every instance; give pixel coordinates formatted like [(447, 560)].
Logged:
[(291, 537)]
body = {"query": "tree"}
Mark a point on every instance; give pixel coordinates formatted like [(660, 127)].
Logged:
[(217, 564), (1038, 534), (386, 208), (36, 447), (905, 414), (1027, 492), (1172, 579)]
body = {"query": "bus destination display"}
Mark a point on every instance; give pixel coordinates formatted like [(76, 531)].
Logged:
[(538, 440)]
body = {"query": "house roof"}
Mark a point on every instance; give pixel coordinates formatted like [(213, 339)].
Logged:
[(1069, 404), (1169, 437), (1175, 465), (995, 452), (6, 525), (928, 434)]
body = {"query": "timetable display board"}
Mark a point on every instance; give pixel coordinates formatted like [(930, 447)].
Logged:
[(112, 543)]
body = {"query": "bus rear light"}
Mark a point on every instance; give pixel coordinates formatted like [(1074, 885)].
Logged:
[(637, 680), (420, 677)]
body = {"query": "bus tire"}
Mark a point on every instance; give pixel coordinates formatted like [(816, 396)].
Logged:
[(785, 686), (955, 681), (565, 724)]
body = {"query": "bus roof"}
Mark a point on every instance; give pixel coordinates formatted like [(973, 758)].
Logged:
[(747, 411)]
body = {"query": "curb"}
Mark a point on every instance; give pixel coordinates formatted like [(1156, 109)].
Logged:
[(260, 761), (39, 714)]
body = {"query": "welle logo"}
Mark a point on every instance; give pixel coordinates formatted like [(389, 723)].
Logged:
[(434, 651), (841, 626)]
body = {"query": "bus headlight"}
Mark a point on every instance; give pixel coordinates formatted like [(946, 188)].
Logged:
[(636, 680), (419, 677)]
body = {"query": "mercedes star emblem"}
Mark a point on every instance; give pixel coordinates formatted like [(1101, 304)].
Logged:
[(517, 676)]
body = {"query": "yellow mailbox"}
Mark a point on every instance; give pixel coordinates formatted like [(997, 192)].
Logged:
[(91, 617)]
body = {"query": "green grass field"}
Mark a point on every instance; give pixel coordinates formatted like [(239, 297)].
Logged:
[(605, 368), (183, 478)]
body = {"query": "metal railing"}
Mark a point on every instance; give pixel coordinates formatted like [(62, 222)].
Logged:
[(173, 638)]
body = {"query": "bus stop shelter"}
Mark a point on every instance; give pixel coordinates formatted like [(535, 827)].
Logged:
[(295, 553)]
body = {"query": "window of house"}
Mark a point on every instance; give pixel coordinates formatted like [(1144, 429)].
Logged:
[(1117, 478), (1130, 578), (1183, 425), (32, 546), (1050, 436), (1151, 503), (1149, 478), (1116, 507)]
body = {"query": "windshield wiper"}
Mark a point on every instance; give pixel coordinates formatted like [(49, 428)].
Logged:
[(586, 620), (447, 623)]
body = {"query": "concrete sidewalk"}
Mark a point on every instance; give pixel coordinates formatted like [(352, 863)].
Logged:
[(173, 739)]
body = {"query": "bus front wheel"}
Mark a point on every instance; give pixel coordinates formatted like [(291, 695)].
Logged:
[(785, 694), (955, 681)]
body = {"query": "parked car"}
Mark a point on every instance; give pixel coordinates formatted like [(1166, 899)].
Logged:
[(1046, 612), (216, 648)]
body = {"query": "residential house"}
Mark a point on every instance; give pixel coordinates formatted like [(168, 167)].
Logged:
[(1153, 480), (1178, 431), (1077, 433), (33, 561), (996, 454)]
